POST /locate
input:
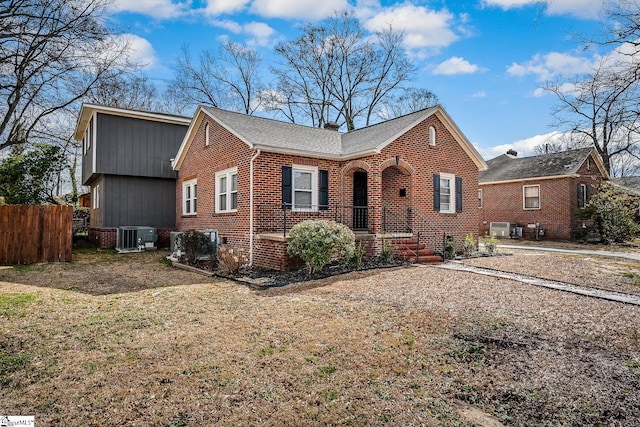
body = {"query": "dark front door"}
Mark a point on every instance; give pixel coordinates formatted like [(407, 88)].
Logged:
[(360, 210)]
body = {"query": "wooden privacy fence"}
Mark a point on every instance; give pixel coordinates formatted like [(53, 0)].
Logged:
[(32, 233)]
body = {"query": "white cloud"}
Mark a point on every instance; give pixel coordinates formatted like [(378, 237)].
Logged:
[(524, 147), (479, 94), (552, 65), (297, 9), (229, 25), (141, 51), (260, 33), (455, 65), (588, 9), (160, 9), (219, 7), (422, 27)]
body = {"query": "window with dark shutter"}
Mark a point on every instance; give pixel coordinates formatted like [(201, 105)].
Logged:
[(286, 187)]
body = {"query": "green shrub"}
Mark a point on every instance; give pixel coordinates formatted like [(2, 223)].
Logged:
[(449, 248), (317, 242), (613, 212), (356, 257), (470, 245), (194, 246), (490, 244), (386, 254)]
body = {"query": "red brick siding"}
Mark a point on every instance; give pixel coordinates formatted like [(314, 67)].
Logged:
[(409, 162), (558, 213)]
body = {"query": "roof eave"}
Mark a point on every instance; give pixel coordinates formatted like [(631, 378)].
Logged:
[(87, 111), (533, 178)]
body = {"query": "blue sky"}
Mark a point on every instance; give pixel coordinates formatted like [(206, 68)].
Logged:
[(485, 59)]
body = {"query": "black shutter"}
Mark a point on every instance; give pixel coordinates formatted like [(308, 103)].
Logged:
[(286, 187), (323, 189), (436, 192), (581, 200), (458, 194)]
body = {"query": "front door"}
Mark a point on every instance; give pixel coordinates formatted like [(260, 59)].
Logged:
[(360, 210)]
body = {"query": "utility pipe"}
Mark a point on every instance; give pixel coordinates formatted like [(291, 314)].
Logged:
[(253, 158)]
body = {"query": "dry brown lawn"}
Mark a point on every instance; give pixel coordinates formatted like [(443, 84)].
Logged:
[(127, 340)]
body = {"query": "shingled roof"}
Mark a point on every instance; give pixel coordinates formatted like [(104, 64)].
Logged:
[(510, 168), (282, 137)]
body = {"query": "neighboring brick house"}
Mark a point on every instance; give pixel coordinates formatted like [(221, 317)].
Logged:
[(547, 190), (126, 162), (252, 178)]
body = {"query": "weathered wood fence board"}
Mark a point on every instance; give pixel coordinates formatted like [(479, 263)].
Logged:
[(31, 234)]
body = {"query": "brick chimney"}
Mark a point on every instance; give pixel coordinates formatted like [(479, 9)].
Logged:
[(512, 152), (331, 126)]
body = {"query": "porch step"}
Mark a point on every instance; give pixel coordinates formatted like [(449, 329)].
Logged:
[(405, 249)]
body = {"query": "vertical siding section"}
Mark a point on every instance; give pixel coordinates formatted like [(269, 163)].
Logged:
[(139, 201), (136, 147), (31, 234)]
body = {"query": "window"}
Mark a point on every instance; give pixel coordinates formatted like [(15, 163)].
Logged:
[(531, 196), (206, 134), (480, 198), (432, 136), (447, 193), (227, 190), (305, 188), (88, 136), (583, 195), (305, 185), (96, 197), (190, 197)]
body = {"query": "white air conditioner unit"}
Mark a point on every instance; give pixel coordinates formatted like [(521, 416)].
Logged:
[(503, 229)]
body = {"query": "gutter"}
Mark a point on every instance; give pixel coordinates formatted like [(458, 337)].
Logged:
[(253, 158)]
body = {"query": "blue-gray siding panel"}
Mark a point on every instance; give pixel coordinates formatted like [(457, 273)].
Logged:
[(136, 147), (139, 201)]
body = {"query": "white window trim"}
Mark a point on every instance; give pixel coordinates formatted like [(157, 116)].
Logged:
[(314, 187), (480, 198), (96, 197), (432, 136), (584, 196), (227, 173), (191, 183), (206, 134), (452, 193), (539, 198)]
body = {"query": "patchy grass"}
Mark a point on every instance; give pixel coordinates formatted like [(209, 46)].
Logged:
[(128, 340)]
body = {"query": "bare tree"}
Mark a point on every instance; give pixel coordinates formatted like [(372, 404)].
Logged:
[(130, 91), (52, 52), (600, 110), (409, 100), (228, 79), (336, 71)]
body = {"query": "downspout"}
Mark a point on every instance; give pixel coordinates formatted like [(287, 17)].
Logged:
[(255, 156)]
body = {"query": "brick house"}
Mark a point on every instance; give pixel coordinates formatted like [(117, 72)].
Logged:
[(548, 190), (126, 162), (252, 178)]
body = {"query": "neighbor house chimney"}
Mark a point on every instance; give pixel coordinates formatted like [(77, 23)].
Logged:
[(331, 126), (512, 152)]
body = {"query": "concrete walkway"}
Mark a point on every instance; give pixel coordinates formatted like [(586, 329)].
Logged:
[(610, 254), (530, 280)]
